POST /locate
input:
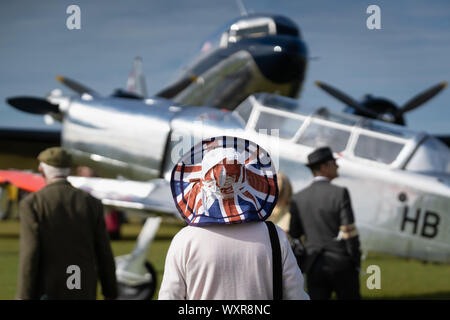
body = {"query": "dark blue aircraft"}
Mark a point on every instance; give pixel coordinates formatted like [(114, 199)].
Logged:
[(251, 54)]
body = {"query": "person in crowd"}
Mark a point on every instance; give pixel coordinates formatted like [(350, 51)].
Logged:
[(323, 214), (64, 245), (225, 188)]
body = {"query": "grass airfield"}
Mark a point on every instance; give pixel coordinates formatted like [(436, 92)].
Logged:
[(400, 278)]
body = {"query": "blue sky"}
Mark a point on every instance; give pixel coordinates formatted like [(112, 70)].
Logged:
[(408, 55)]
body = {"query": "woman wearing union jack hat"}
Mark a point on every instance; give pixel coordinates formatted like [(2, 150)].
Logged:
[(225, 188)]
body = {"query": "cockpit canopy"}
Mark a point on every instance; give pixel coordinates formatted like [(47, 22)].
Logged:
[(251, 26), (364, 140)]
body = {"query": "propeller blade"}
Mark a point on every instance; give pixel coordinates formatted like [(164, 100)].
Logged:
[(422, 98), (345, 99), (33, 105), (76, 86)]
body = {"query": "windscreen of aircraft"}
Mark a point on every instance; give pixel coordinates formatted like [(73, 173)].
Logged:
[(364, 140), (431, 156), (256, 26), (246, 27)]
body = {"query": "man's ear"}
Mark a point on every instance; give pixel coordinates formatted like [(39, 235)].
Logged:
[(323, 167)]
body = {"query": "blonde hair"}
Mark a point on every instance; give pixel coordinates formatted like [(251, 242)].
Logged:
[(284, 198)]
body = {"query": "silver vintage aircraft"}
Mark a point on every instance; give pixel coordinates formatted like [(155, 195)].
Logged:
[(253, 53), (399, 180)]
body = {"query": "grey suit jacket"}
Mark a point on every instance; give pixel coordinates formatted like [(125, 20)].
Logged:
[(318, 212)]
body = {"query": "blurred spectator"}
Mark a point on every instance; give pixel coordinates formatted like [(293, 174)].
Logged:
[(113, 218)]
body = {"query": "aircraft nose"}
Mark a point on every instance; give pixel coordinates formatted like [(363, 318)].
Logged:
[(282, 60)]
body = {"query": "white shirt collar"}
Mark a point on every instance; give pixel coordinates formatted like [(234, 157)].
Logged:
[(320, 178)]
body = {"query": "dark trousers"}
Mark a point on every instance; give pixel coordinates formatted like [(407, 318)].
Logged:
[(330, 274)]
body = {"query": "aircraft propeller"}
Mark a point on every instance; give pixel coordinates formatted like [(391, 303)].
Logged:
[(382, 109), (76, 86), (33, 105), (345, 99), (422, 98), (82, 89), (44, 106)]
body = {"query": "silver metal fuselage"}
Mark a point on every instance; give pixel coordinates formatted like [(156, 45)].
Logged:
[(118, 136), (142, 140)]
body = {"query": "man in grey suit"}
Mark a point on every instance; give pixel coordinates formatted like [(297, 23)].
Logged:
[(64, 245), (322, 213)]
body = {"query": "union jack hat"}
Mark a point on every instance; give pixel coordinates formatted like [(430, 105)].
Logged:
[(224, 180)]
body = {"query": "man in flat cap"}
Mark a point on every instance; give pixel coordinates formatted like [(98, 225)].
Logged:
[(64, 245), (322, 213)]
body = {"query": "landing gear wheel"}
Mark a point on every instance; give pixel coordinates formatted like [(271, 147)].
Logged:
[(143, 291)]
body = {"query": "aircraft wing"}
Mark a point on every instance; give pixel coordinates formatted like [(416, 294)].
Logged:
[(151, 197), (27, 181)]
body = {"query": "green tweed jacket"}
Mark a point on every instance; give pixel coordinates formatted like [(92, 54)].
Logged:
[(64, 245)]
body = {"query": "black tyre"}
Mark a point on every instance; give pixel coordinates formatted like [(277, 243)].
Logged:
[(143, 291)]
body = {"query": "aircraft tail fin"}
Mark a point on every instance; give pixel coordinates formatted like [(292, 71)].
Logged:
[(136, 80)]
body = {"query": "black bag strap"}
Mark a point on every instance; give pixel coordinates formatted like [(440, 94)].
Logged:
[(276, 259)]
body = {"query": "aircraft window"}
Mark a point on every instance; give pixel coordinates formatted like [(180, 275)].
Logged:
[(377, 149), (244, 110), (277, 102), (252, 32), (431, 156), (287, 126), (348, 120), (253, 28), (387, 128), (317, 135)]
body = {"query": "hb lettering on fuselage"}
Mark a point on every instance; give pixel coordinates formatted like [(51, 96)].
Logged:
[(429, 226)]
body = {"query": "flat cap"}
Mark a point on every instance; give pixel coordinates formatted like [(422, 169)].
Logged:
[(56, 157), (320, 155)]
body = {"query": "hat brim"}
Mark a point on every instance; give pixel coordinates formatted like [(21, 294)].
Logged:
[(312, 164)]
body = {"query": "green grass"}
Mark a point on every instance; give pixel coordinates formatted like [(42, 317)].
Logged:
[(400, 278), (9, 248), (407, 279)]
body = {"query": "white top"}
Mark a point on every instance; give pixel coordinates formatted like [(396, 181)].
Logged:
[(228, 262)]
